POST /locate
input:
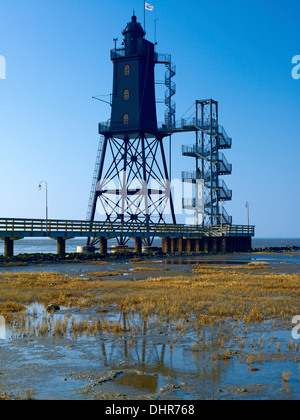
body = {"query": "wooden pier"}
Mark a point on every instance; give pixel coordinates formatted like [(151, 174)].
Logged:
[(175, 238)]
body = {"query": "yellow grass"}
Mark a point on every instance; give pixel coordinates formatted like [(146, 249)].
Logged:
[(210, 294), (100, 274), (148, 269), (10, 307), (7, 396)]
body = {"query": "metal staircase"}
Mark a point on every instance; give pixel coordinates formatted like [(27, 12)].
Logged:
[(170, 92), (210, 163), (171, 88), (93, 196)]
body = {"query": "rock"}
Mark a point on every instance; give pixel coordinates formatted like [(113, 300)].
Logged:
[(87, 249), (242, 390), (254, 369), (52, 308)]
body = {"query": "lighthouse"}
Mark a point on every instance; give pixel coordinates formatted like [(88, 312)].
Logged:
[(133, 95), (131, 181), (131, 152)]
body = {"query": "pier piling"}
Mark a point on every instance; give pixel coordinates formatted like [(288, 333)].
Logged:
[(8, 247), (103, 246), (61, 246)]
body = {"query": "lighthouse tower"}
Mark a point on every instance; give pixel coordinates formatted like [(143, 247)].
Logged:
[(131, 180), (133, 97)]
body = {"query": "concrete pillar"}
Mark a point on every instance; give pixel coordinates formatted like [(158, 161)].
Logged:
[(239, 244), (206, 247), (138, 245), (103, 246), (249, 243), (198, 243), (224, 245), (244, 244), (166, 245), (229, 247), (8, 247), (234, 244), (61, 247), (176, 244), (189, 245), (180, 244), (215, 245), (172, 244)]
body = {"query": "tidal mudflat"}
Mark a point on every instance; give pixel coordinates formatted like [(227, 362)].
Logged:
[(201, 327)]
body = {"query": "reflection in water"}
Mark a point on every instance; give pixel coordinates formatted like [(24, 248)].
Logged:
[(139, 380), (162, 357), (151, 356), (203, 262)]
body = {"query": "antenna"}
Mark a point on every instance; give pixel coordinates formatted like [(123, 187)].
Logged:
[(102, 100), (115, 41)]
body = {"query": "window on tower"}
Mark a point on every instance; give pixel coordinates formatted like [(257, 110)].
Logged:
[(125, 119), (126, 70), (126, 95)]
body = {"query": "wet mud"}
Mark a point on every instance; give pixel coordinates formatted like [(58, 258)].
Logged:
[(231, 361)]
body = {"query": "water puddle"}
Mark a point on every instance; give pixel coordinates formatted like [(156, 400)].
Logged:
[(139, 380)]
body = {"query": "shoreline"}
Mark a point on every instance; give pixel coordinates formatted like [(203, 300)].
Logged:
[(23, 259)]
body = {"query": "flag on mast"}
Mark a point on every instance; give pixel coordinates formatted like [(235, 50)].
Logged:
[(149, 7)]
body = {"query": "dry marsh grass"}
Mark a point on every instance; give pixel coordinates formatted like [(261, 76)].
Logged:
[(200, 268), (8, 396), (216, 294), (148, 269), (10, 307), (209, 295), (45, 288), (173, 305), (101, 274), (13, 264), (144, 262)]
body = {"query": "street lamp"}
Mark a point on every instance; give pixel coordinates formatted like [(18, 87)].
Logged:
[(155, 43), (247, 207), (40, 187)]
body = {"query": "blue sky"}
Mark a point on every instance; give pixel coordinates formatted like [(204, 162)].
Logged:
[(236, 52)]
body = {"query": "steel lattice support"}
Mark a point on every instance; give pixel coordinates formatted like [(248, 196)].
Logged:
[(133, 184)]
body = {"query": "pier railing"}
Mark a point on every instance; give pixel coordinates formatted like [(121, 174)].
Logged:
[(15, 228)]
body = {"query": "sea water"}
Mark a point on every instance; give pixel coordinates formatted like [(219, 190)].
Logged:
[(49, 246)]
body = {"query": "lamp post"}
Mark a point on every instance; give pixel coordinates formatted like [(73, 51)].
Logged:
[(248, 220), (40, 187)]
